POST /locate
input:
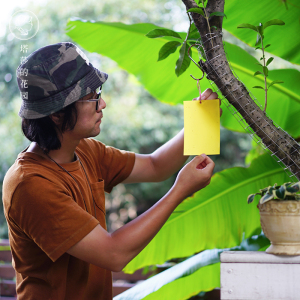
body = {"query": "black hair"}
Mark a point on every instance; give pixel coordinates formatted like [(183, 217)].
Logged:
[(45, 132)]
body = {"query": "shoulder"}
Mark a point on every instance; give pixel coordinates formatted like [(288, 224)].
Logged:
[(22, 170), (31, 175), (27, 192)]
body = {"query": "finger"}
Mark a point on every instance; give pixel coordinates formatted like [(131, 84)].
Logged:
[(208, 164), (212, 96), (206, 94), (208, 160), (209, 95), (201, 165), (202, 161), (199, 158)]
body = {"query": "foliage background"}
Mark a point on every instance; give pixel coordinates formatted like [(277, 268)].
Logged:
[(134, 120)]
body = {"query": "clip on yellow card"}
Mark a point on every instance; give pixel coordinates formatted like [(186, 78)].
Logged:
[(202, 127)]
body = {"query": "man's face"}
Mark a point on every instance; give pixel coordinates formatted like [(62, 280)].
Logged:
[(88, 118)]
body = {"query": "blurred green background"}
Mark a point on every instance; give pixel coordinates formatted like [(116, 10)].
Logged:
[(133, 119)]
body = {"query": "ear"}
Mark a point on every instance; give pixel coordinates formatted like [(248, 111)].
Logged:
[(57, 118)]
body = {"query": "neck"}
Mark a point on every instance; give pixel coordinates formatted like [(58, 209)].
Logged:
[(62, 157), (65, 154)]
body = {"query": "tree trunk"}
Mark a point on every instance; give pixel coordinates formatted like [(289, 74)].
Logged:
[(218, 70)]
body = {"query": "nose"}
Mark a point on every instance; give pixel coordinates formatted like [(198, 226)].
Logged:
[(102, 105)]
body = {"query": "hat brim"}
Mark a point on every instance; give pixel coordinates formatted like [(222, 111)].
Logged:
[(45, 107)]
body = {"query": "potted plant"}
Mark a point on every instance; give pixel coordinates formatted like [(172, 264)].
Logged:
[(279, 208)]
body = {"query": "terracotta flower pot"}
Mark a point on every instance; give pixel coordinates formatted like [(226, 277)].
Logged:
[(280, 221)]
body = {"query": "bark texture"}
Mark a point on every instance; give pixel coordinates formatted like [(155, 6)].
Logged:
[(218, 70)]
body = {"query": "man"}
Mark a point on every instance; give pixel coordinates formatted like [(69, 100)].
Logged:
[(53, 195)]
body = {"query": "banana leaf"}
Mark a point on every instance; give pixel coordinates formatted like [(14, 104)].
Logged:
[(284, 40), (201, 272), (137, 54), (217, 216)]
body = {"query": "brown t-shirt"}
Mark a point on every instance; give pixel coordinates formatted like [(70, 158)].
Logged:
[(48, 212)]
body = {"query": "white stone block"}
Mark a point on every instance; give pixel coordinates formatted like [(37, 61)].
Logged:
[(252, 275)]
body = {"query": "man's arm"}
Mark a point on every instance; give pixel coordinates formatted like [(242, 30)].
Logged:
[(114, 251), (160, 164), (166, 160)]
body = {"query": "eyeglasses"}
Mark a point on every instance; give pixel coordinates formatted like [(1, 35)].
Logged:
[(96, 99)]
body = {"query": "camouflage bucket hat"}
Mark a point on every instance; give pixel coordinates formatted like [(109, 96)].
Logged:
[(53, 77)]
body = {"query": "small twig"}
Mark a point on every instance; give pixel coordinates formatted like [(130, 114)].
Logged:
[(189, 27), (206, 17), (264, 63)]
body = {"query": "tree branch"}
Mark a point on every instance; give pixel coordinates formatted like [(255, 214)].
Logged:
[(218, 70)]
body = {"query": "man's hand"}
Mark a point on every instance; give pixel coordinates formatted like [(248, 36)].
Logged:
[(209, 95), (194, 176)]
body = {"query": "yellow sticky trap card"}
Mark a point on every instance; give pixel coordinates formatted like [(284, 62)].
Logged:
[(202, 127)]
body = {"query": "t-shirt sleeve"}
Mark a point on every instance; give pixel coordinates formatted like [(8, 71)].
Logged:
[(112, 164), (48, 215)]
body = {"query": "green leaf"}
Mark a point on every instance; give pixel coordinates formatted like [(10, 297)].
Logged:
[(273, 22), (197, 10), (204, 279), (201, 272), (269, 60), (183, 61), (167, 49), (270, 190), (267, 46), (266, 71), (155, 33), (258, 87), (258, 73), (296, 186), (275, 82), (203, 221), (251, 198), (280, 193), (292, 190), (287, 184), (249, 26), (267, 197), (218, 14)]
